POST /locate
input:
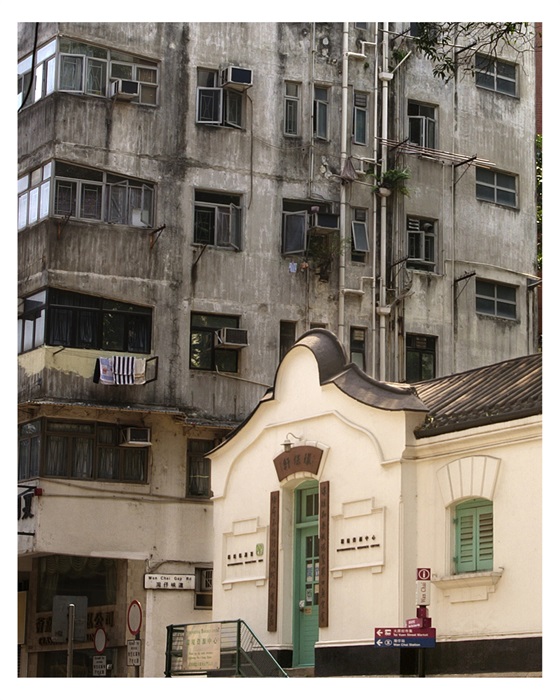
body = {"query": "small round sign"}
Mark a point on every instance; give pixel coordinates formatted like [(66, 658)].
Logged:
[(100, 640), (423, 574), (134, 617)]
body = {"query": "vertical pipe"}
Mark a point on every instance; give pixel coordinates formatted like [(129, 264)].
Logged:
[(71, 625), (343, 197), (383, 252), (374, 212), (312, 101)]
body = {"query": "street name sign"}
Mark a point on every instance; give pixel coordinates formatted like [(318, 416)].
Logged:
[(405, 637)]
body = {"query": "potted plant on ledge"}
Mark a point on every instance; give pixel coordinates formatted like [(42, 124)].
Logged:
[(392, 181)]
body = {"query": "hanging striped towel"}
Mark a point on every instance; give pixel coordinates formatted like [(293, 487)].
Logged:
[(123, 370), (139, 370)]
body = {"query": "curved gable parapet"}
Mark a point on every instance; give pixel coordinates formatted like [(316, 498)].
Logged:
[(371, 392), (328, 352), (349, 378)]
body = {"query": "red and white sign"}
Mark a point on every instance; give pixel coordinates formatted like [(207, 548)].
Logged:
[(134, 617), (419, 622), (423, 574)]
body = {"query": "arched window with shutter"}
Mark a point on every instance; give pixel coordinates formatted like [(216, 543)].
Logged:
[(474, 536)]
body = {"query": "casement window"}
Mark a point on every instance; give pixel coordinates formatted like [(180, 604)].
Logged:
[(217, 219), (198, 468), (421, 254), (304, 222), (358, 347), (79, 450), (220, 103), (321, 112), (203, 589), (287, 337), (34, 190), (69, 190), (292, 108), (210, 348), (360, 241), (474, 536), (422, 125), (73, 320), (493, 74), (496, 187), (360, 118), (68, 65), (420, 357), (495, 299)]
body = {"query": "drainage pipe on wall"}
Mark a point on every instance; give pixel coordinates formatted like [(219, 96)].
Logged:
[(374, 210), (343, 194), (385, 76)]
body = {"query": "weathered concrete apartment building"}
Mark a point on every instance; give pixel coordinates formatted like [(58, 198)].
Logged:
[(192, 198)]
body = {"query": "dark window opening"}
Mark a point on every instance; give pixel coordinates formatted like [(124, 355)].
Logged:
[(420, 357), (205, 352)]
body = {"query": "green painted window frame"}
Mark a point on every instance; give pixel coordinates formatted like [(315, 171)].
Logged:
[(474, 536)]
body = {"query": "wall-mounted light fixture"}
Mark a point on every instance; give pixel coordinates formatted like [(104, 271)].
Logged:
[(288, 444)]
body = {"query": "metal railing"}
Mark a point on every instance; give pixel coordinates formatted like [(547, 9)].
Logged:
[(228, 648)]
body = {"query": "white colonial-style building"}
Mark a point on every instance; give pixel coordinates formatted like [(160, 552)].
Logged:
[(338, 488)]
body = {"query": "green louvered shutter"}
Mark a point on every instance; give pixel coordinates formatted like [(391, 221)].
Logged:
[(474, 536)]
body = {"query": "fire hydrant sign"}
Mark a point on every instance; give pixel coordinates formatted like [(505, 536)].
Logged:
[(201, 647)]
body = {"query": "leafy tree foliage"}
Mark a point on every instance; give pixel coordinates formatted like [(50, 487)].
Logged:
[(452, 46)]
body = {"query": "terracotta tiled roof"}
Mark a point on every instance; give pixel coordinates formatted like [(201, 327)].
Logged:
[(492, 394)]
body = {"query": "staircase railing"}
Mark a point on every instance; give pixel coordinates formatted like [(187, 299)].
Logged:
[(228, 648)]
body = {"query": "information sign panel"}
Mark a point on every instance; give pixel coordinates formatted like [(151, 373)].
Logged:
[(133, 652), (405, 637), (201, 647), (99, 665)]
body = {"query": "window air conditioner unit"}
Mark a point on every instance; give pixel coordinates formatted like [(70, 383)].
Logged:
[(231, 338), (135, 437), (125, 89), (323, 223), (237, 77)]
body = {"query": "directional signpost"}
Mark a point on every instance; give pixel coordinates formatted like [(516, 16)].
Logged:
[(418, 633), (405, 637)]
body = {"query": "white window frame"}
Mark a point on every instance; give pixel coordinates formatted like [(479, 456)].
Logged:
[(360, 115), (360, 238), (321, 99), (496, 187), (498, 300), (292, 109), (228, 104), (203, 587), (427, 123), (425, 233), (48, 73), (297, 244), (490, 74), (226, 221), (34, 192), (38, 195)]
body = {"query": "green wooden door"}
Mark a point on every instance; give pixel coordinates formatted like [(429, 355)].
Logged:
[(306, 582)]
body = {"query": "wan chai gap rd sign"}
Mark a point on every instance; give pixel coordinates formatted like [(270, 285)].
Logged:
[(405, 637)]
